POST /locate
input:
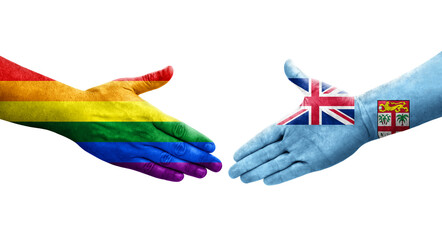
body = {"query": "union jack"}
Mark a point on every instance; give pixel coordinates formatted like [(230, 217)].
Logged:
[(323, 105)]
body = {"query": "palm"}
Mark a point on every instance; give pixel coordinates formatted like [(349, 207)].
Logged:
[(283, 152), (111, 122), (319, 147), (132, 133)]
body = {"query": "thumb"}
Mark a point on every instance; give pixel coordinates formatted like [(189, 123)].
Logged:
[(303, 82), (291, 71), (296, 76), (149, 81)]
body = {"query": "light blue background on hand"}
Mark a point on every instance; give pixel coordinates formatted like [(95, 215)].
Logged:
[(281, 153), (284, 152)]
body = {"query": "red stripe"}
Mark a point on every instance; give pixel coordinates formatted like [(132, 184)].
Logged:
[(330, 90), (329, 101), (314, 101), (139, 79), (161, 75), (393, 129), (10, 71), (342, 116), (315, 106), (292, 117), (27, 80)]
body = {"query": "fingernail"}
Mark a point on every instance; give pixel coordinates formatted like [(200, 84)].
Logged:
[(200, 172), (269, 182), (232, 173), (210, 147), (245, 179), (178, 177), (216, 166)]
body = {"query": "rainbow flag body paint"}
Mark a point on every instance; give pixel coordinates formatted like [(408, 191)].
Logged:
[(110, 121)]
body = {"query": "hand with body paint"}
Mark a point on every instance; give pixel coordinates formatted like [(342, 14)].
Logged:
[(330, 125), (110, 121)]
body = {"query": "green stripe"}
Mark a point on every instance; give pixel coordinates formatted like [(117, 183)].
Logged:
[(120, 131)]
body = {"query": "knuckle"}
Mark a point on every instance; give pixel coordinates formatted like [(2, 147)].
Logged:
[(281, 146), (147, 167), (179, 130), (165, 158), (180, 149)]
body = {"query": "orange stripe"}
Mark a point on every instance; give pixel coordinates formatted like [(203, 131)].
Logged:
[(56, 91)]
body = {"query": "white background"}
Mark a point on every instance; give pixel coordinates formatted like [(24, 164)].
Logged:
[(229, 83)]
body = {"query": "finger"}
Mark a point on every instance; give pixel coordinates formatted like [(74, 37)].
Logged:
[(301, 80), (149, 81), (148, 167), (190, 154), (297, 77), (279, 163), (296, 170), (256, 159), (185, 133), (264, 138), (166, 160)]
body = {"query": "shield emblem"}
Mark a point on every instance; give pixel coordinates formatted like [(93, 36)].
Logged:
[(393, 116)]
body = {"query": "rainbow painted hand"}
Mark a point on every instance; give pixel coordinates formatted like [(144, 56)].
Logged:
[(110, 121)]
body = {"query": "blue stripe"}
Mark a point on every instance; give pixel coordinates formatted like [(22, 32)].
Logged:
[(301, 82), (348, 112), (325, 86), (300, 120), (329, 120), (134, 151)]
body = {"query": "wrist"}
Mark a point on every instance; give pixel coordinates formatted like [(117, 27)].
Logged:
[(23, 101), (365, 118)]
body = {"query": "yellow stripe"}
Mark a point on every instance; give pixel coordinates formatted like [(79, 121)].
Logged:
[(93, 111)]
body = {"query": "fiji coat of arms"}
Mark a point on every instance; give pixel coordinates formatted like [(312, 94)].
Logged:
[(393, 116)]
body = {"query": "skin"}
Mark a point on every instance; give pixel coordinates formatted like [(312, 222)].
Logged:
[(187, 151), (284, 152)]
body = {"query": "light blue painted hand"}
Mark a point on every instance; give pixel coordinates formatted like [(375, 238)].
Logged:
[(284, 152)]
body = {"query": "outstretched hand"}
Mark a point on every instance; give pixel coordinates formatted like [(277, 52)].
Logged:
[(110, 122), (148, 140), (327, 128)]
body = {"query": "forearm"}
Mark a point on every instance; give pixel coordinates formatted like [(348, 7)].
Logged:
[(11, 90), (21, 84), (21, 88), (421, 88)]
